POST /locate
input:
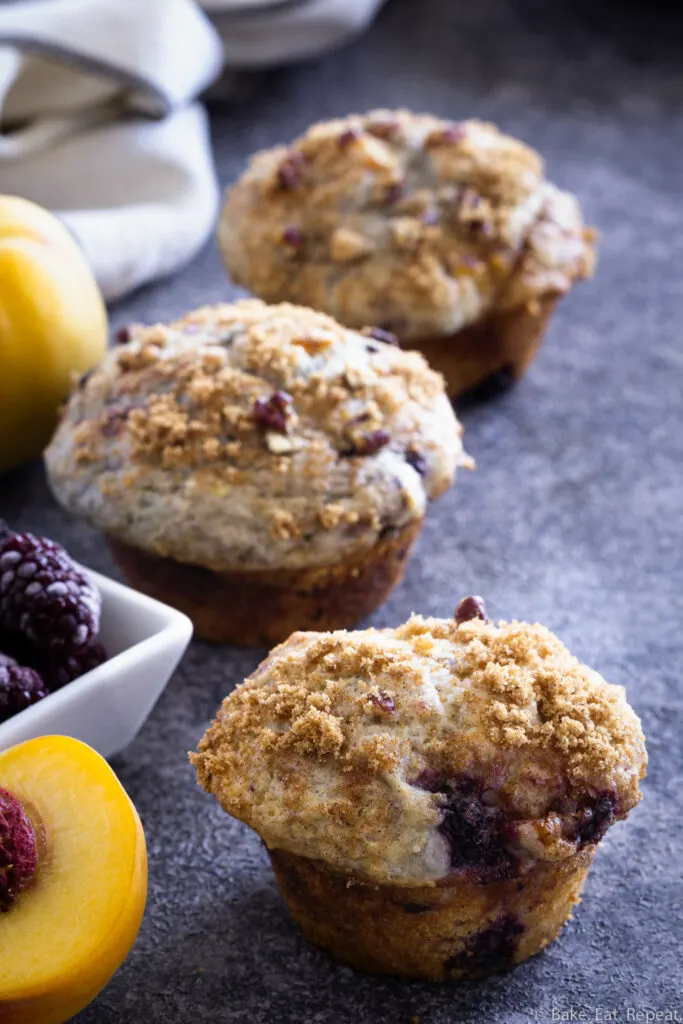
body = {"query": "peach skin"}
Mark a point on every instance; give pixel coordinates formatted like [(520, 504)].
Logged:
[(53, 325), (73, 879)]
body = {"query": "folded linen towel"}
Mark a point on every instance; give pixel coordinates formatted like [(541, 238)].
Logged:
[(259, 33), (98, 123), (99, 120)]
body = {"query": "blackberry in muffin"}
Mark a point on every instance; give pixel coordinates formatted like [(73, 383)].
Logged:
[(445, 233), (259, 467), (431, 796)]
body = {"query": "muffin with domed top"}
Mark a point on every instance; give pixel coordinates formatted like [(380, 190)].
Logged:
[(445, 233), (260, 467), (431, 796)]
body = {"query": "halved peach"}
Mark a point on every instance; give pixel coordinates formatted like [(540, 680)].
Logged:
[(65, 934)]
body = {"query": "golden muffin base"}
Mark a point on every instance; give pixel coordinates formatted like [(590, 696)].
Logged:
[(506, 342), (457, 930), (263, 608)]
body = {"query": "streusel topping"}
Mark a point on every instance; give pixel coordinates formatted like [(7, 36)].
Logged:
[(403, 220), (249, 436), (406, 755)]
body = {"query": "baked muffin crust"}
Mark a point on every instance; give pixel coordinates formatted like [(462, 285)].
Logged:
[(403, 220), (248, 436), (407, 756)]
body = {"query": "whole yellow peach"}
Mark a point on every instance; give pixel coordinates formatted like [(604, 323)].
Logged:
[(53, 325)]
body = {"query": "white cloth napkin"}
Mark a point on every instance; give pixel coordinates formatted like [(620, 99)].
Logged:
[(99, 120), (98, 123), (259, 33)]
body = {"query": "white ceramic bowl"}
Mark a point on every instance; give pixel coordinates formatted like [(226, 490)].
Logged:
[(107, 706)]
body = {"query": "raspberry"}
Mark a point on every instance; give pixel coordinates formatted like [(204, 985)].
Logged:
[(18, 850), (19, 688), (58, 670), (44, 596)]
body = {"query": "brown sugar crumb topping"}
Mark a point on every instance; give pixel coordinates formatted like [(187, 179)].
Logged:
[(237, 389), (383, 127), (447, 136), (347, 245), (537, 694), (383, 720), (139, 359), (284, 526), (519, 689), (313, 729), (390, 205), (335, 514), (315, 732)]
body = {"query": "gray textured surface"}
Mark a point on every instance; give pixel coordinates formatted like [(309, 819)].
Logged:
[(573, 519)]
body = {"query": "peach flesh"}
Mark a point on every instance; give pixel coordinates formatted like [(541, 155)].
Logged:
[(69, 930)]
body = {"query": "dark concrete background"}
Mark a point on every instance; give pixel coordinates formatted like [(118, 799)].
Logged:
[(573, 519)]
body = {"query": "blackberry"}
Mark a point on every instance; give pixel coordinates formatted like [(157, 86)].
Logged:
[(58, 670), (477, 833), (470, 608), (17, 648), (44, 595), (20, 687), (492, 949), (594, 819), (417, 461)]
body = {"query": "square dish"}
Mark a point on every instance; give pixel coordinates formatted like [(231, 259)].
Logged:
[(107, 706)]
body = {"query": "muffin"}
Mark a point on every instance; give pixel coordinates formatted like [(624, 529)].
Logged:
[(445, 233), (431, 796), (259, 467)]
